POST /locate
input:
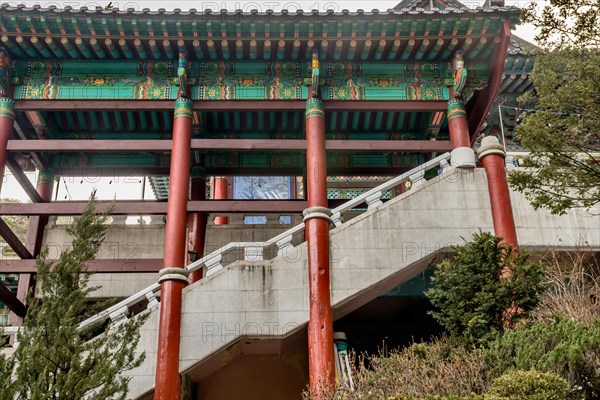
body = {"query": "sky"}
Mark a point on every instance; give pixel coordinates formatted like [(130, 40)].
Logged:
[(130, 188)]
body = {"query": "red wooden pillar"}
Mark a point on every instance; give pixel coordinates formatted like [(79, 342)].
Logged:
[(173, 276), (197, 222), (7, 118), (317, 218), (462, 155), (35, 235), (220, 193), (35, 229), (491, 155)]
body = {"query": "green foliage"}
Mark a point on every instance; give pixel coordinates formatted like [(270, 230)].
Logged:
[(477, 297), (560, 346), (438, 370), (566, 23), (429, 397), (6, 367), (54, 360), (562, 133), (528, 385)]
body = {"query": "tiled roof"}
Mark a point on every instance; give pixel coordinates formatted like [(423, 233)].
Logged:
[(429, 5)]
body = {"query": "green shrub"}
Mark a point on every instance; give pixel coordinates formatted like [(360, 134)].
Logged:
[(474, 295), (470, 397), (528, 385), (420, 371), (561, 346)]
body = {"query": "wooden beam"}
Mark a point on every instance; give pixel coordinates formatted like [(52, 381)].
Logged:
[(13, 241), (25, 286), (120, 145), (154, 207), (353, 184), (129, 171), (112, 265), (10, 299), (479, 106), (24, 128), (20, 176), (229, 105)]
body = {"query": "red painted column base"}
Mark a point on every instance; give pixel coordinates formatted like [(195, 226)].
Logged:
[(320, 325), (491, 155), (168, 385), (462, 155), (220, 193)]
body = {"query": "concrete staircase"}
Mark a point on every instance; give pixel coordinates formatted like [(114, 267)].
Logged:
[(257, 291)]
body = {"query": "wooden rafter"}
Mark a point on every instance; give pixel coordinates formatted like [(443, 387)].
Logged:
[(479, 105), (20, 176), (10, 299), (120, 145), (13, 241), (230, 105), (112, 265), (153, 207)]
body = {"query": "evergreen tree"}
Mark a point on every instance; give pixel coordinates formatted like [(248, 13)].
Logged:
[(485, 288), (55, 360)]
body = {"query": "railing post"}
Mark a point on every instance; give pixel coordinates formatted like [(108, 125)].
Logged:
[(284, 245), (152, 300), (119, 315), (374, 200), (337, 219), (213, 264), (444, 166), (417, 179)]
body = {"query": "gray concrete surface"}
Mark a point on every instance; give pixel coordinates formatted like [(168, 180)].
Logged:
[(147, 241), (370, 254)]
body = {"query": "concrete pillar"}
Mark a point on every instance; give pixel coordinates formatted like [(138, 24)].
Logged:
[(462, 155), (7, 118), (197, 222), (220, 193), (317, 218), (491, 155), (173, 276)]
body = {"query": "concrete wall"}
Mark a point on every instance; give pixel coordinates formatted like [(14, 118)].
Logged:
[(370, 254), (147, 241)]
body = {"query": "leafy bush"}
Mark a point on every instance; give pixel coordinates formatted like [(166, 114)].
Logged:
[(484, 289), (432, 371), (528, 385), (470, 397), (567, 348), (574, 288)]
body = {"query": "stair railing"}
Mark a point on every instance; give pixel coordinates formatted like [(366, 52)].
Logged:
[(255, 251)]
